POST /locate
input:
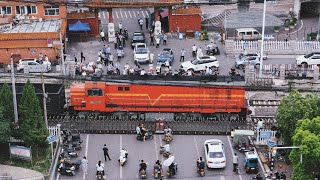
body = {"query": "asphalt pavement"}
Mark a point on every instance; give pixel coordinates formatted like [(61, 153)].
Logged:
[(186, 149)]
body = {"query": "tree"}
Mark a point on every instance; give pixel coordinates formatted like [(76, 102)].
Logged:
[(6, 102), (32, 125), (4, 127), (293, 108), (307, 137)]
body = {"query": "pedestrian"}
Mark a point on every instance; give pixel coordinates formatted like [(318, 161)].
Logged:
[(245, 52), (157, 42), (152, 39), (102, 36), (151, 57), (108, 50), (194, 50), (115, 44), (183, 52), (161, 37), (123, 41), (153, 25), (106, 153), (235, 162), (104, 50), (147, 22), (119, 54), (111, 59), (165, 37), (82, 57), (75, 58), (117, 66), (120, 27), (141, 23), (46, 58), (105, 61), (84, 165)]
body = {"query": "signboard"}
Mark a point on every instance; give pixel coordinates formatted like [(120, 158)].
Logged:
[(271, 143), (52, 139), (20, 151), (49, 42), (56, 42), (33, 51), (265, 134)]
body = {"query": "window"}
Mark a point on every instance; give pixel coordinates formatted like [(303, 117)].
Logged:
[(51, 11), (249, 33), (21, 10), (6, 10), (32, 9), (255, 32), (126, 88), (120, 88), (95, 92)]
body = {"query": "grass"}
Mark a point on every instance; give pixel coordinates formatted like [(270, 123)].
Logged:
[(41, 164)]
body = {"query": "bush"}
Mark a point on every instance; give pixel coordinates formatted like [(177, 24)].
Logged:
[(312, 36)]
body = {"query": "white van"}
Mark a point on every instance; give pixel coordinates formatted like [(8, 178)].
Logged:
[(247, 34)]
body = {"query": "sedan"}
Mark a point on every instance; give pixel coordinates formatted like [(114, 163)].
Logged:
[(255, 55), (309, 59), (214, 153), (242, 62), (165, 55), (141, 53), (200, 64)]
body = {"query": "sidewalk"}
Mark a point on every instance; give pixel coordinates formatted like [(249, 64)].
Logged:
[(19, 173)]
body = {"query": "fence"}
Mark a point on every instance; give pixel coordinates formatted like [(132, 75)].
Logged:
[(273, 47)]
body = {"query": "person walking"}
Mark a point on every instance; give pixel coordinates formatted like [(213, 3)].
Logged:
[(120, 27), (119, 54), (194, 50), (141, 23), (102, 35), (147, 22), (115, 44), (152, 39), (111, 59), (235, 162), (106, 153), (157, 42), (84, 165), (151, 57), (82, 57), (183, 52), (123, 41), (165, 37), (75, 58)]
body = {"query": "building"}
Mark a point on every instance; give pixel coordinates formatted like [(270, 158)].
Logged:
[(185, 19), (27, 29)]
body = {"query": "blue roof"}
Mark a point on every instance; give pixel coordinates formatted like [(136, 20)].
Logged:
[(79, 26)]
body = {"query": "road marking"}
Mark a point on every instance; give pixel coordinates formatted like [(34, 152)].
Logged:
[(143, 14), (121, 14), (196, 143), (233, 154), (86, 154), (130, 14), (117, 14), (58, 176), (160, 143), (222, 178), (134, 13), (155, 146), (125, 13), (104, 14), (120, 150)]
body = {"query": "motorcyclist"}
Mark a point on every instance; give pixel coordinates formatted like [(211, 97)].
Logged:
[(143, 131), (100, 168), (165, 149), (124, 153), (167, 133), (143, 166), (157, 167), (200, 164), (172, 169)]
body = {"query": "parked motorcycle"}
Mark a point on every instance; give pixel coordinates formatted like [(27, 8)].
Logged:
[(64, 170), (74, 144), (67, 155), (148, 135)]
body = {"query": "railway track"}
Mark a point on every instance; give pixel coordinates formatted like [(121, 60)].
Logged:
[(126, 124)]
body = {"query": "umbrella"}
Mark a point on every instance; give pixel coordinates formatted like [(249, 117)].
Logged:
[(168, 161)]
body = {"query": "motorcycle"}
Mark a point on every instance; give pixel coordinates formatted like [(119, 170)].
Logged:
[(76, 164), (143, 174), (73, 145), (167, 138), (148, 135), (172, 171), (164, 152), (157, 173), (123, 157), (99, 175), (64, 170), (67, 155), (201, 172)]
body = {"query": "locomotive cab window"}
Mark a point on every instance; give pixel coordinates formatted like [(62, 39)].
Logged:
[(95, 92)]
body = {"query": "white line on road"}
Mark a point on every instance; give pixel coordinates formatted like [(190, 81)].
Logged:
[(134, 13), (86, 154), (160, 143), (130, 14), (120, 149), (222, 178), (58, 176), (196, 144), (155, 146), (143, 14), (121, 14), (232, 152), (104, 14), (125, 14), (117, 14)]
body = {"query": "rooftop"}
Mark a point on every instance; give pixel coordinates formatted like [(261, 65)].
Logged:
[(52, 25)]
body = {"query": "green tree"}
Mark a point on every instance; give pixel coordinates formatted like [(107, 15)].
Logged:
[(293, 108), (32, 125), (4, 127), (6, 101), (307, 137)]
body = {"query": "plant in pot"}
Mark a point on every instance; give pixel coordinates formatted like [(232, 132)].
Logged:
[(286, 28), (295, 21), (276, 29), (292, 24)]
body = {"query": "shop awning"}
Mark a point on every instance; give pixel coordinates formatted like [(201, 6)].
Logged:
[(79, 26)]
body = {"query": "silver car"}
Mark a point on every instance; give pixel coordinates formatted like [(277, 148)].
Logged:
[(242, 62)]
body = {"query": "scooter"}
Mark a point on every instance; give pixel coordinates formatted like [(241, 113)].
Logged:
[(66, 154), (157, 173), (148, 135), (99, 175), (164, 152), (76, 164), (143, 174), (167, 138), (64, 170), (123, 158), (201, 172), (172, 171), (75, 146)]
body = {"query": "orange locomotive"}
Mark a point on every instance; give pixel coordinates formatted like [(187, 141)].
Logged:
[(116, 97)]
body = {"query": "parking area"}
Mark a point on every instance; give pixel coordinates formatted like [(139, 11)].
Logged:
[(185, 148)]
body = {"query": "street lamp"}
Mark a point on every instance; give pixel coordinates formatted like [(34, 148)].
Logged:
[(262, 39), (13, 83)]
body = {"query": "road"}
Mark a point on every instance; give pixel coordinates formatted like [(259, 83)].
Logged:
[(186, 150)]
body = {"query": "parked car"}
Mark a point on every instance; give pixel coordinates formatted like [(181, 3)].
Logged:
[(141, 53), (265, 57), (242, 62), (165, 55), (214, 153), (31, 61), (309, 59), (138, 37), (200, 64)]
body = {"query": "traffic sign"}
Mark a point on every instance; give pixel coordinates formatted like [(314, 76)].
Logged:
[(271, 143), (52, 139), (265, 134)]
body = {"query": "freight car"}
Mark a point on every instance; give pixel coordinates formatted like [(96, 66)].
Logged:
[(110, 97)]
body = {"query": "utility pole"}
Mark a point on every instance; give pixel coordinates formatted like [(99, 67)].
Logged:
[(262, 40), (318, 34), (44, 101), (61, 54), (13, 82)]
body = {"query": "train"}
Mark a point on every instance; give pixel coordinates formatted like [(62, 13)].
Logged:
[(110, 97)]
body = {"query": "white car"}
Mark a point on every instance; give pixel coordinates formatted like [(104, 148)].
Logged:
[(214, 153), (200, 64), (309, 59), (141, 53), (31, 61)]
